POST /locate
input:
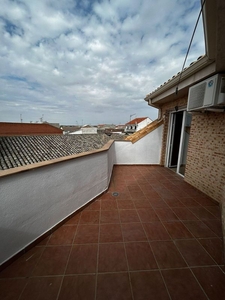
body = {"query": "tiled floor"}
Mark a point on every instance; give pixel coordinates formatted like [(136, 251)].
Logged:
[(158, 239)]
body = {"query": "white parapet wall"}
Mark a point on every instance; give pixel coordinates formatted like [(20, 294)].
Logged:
[(145, 151), (35, 201), (35, 198)]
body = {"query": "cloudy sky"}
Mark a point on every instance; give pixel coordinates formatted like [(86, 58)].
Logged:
[(90, 62)]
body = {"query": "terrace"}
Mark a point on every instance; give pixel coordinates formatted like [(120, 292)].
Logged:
[(150, 235)]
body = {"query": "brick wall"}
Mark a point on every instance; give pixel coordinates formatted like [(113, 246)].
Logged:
[(12, 129), (205, 167)]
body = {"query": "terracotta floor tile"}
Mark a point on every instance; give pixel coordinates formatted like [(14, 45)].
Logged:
[(202, 213), (43, 242), (53, 261), (181, 284), (113, 287), (189, 202), (79, 287), (205, 201), (125, 195), (63, 235), (140, 256), (147, 215), (87, 234), (151, 194), (133, 232), (74, 220), (160, 212), (94, 205), (128, 216), (194, 253), (215, 210), (214, 246), (125, 204), (44, 288), (107, 196), (173, 202), (109, 216), (109, 205), (83, 259), (148, 285), (167, 255), (156, 231), (199, 229), (112, 258), (177, 230), (142, 204), (89, 217), (137, 196), (215, 226), (11, 289), (134, 189), (158, 203), (212, 279), (184, 213), (110, 233), (24, 265), (165, 214)]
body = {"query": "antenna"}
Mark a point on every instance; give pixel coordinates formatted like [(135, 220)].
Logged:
[(132, 116), (21, 120)]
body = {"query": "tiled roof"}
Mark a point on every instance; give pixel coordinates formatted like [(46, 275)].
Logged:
[(174, 76), (16, 151), (136, 121)]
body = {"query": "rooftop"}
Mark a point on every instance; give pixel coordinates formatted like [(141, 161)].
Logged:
[(150, 236), (16, 151), (136, 120)]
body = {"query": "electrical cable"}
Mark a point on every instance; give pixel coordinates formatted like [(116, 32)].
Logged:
[(196, 24)]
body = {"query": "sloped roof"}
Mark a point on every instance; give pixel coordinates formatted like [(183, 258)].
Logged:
[(136, 121), (144, 131), (16, 151)]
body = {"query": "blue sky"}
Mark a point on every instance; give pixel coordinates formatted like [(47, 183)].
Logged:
[(91, 62)]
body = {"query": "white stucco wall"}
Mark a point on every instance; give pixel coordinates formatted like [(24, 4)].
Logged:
[(143, 123), (33, 202), (89, 130), (145, 151)]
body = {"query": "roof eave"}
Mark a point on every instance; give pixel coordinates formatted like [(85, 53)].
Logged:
[(154, 98)]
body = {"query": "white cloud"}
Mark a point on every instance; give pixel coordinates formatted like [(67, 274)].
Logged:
[(90, 60)]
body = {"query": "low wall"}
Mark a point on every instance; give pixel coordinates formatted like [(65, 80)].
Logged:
[(35, 201)]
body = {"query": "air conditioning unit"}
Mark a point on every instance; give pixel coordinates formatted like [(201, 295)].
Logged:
[(208, 93)]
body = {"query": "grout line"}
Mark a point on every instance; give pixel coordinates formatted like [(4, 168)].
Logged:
[(97, 262), (63, 275)]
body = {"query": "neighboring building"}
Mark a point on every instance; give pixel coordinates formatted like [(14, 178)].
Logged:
[(194, 139), (69, 128), (86, 129), (89, 130), (136, 124), (13, 129)]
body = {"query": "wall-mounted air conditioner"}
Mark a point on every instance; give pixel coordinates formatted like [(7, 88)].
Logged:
[(208, 93)]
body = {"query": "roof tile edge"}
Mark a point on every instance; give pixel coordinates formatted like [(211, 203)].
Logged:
[(12, 171)]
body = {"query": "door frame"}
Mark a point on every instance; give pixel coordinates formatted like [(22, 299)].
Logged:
[(170, 139)]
